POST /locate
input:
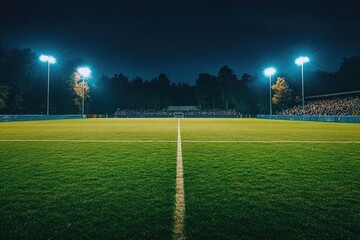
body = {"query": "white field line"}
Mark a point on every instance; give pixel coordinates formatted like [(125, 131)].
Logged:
[(170, 141), (179, 214)]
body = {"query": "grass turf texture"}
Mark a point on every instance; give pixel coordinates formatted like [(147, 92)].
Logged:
[(271, 190), (66, 190), (82, 190), (267, 130), (89, 129)]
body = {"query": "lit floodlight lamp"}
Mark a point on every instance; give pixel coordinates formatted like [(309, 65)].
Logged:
[(301, 60), (43, 58), (85, 72), (269, 72), (49, 60)]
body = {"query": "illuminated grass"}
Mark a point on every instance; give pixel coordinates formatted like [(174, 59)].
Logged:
[(256, 129), (119, 190), (271, 190), (101, 129), (86, 190), (66, 190)]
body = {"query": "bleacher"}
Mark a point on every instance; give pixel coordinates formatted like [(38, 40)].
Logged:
[(330, 106), (188, 112)]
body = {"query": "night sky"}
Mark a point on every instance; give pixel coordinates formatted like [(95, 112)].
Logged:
[(185, 38)]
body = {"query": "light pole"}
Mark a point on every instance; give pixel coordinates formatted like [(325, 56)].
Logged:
[(49, 60), (84, 72), (300, 62), (269, 72)]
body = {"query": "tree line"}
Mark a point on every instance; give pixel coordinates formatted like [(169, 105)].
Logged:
[(23, 88)]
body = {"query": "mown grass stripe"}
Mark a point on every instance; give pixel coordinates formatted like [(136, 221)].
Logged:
[(268, 141), (170, 141), (87, 140), (179, 214)]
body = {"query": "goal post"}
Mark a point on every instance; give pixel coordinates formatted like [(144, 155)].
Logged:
[(178, 115)]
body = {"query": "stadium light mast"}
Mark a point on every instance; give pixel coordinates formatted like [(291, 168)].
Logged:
[(85, 72), (49, 60), (269, 72), (300, 62)]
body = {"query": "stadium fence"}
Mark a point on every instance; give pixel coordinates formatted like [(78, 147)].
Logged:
[(10, 118), (342, 119)]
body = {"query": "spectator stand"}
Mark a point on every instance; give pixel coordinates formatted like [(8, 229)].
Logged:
[(339, 104), (177, 111)]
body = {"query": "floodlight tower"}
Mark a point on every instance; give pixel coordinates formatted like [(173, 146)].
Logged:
[(300, 62), (269, 72), (85, 72), (49, 60)]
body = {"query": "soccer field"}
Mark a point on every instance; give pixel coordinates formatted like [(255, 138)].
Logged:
[(116, 179)]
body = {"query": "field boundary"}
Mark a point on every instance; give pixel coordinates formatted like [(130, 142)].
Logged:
[(319, 118), (179, 213), (29, 117)]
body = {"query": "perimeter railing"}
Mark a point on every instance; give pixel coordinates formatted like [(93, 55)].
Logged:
[(342, 119)]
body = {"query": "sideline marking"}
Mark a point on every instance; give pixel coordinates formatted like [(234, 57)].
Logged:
[(170, 141), (179, 214)]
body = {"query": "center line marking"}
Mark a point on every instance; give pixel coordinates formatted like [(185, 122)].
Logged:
[(179, 214)]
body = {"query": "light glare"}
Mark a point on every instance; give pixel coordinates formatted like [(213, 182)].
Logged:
[(269, 71), (301, 60), (84, 71), (48, 59)]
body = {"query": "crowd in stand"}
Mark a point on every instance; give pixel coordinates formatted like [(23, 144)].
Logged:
[(212, 112), (142, 113), (167, 113), (345, 106)]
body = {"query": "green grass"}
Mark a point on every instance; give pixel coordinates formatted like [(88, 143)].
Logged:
[(271, 190), (233, 190), (250, 129), (100, 129), (67, 190)]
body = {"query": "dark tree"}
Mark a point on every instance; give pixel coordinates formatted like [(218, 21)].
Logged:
[(207, 91), (245, 100), (18, 73), (102, 96), (23, 87), (4, 96), (120, 86), (348, 76), (227, 81), (317, 83)]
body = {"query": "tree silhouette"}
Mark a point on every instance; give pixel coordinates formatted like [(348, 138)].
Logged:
[(348, 75), (4, 95), (23, 87), (207, 91), (227, 82)]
